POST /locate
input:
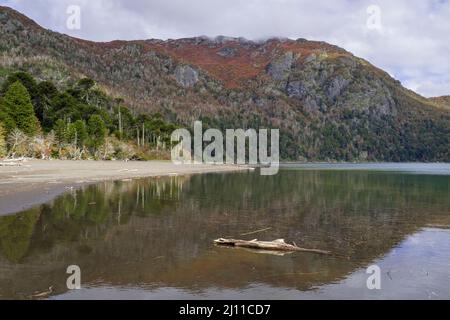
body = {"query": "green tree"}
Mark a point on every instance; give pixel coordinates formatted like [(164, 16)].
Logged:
[(77, 133), (6, 118), (23, 77), (19, 110), (60, 130), (124, 123), (46, 91), (97, 131), (2, 141), (71, 134), (63, 106), (81, 131), (84, 91)]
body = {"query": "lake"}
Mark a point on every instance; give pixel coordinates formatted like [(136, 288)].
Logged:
[(153, 238)]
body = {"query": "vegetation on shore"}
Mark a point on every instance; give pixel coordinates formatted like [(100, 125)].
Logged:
[(78, 121)]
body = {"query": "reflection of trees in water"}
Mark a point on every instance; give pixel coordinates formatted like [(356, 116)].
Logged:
[(16, 233), (85, 213), (160, 230), (340, 210)]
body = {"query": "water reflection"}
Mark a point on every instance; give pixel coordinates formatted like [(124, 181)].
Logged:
[(152, 234)]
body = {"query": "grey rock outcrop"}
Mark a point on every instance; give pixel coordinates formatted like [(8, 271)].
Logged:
[(336, 87), (280, 68), (296, 89), (186, 76), (227, 52)]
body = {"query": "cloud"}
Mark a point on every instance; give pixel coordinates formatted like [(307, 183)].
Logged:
[(407, 38)]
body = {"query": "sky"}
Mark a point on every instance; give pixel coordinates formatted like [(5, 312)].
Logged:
[(410, 39)]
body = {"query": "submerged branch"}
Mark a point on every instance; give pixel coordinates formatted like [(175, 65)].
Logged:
[(257, 231)]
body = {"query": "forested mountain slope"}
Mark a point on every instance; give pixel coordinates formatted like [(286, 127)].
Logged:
[(327, 103)]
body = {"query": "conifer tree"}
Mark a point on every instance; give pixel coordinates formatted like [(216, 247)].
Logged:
[(60, 130), (81, 130), (6, 118), (97, 131), (23, 77)]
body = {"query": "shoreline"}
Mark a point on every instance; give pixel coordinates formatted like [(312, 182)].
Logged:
[(39, 181)]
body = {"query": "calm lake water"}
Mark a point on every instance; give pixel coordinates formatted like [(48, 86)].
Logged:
[(152, 238)]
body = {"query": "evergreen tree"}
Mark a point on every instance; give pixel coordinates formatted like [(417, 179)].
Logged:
[(124, 123), (63, 106), (46, 91), (6, 118), (60, 131), (97, 131), (23, 77), (2, 141), (19, 110), (71, 134), (76, 133), (81, 131)]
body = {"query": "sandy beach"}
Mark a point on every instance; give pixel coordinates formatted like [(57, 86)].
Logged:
[(36, 181)]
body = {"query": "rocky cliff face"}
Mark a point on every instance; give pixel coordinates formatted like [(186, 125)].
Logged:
[(328, 104)]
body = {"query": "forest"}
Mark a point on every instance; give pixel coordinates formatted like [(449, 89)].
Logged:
[(78, 122)]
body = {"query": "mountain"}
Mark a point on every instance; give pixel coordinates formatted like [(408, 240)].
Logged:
[(327, 103), (443, 102)]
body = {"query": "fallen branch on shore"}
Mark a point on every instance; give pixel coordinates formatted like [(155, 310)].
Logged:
[(276, 245), (10, 164)]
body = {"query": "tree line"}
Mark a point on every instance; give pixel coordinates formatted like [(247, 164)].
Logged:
[(78, 121)]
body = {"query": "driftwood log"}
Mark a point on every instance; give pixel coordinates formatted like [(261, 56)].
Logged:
[(10, 164), (276, 245)]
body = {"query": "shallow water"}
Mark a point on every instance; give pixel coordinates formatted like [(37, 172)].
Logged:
[(152, 238)]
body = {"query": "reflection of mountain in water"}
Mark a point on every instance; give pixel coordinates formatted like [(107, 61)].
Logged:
[(158, 232)]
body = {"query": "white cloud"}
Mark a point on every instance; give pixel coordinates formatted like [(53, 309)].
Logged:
[(412, 42)]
